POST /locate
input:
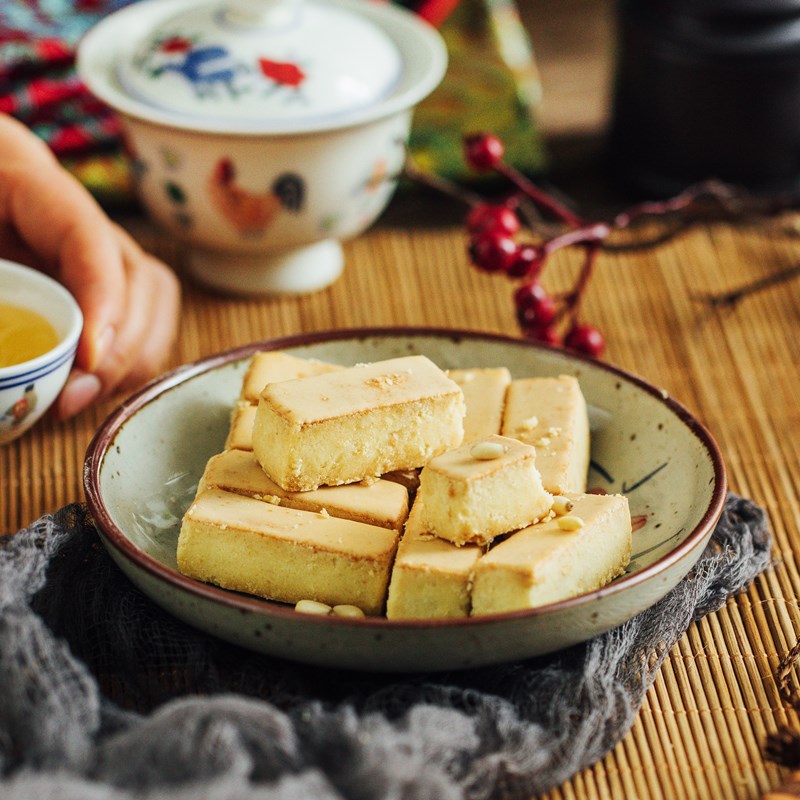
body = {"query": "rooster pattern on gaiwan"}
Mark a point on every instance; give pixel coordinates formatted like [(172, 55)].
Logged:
[(252, 212)]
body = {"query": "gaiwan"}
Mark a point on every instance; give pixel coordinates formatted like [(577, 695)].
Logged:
[(264, 132)]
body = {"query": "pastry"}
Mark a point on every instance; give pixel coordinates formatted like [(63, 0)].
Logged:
[(485, 397), (557, 559), (274, 365), (356, 423), (240, 437), (431, 577), (383, 503), (551, 415), (247, 545), (293, 509), (240, 434), (481, 490)]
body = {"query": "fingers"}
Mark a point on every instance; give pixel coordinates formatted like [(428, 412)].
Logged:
[(68, 234), (81, 390), (129, 299), (143, 340), (14, 249), (154, 352), (97, 278)]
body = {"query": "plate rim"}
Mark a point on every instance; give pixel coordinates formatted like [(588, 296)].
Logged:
[(105, 435)]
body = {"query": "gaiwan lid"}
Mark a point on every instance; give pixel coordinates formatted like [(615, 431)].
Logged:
[(281, 62)]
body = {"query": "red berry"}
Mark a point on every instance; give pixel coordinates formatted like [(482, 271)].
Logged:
[(483, 151), (533, 297), (585, 339), (546, 333), (529, 262), (536, 310), (488, 216), (534, 318), (492, 251)]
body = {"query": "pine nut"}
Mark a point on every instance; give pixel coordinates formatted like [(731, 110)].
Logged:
[(347, 611), (570, 523), (561, 505), (312, 607), (486, 451)]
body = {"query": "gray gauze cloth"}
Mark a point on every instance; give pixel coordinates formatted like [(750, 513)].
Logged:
[(194, 717)]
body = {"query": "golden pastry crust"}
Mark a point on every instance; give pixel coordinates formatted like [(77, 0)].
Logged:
[(485, 398), (550, 414), (246, 545), (431, 577), (383, 503), (274, 365), (480, 490), (550, 561), (356, 423)]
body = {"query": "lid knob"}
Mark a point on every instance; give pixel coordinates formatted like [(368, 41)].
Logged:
[(261, 13)]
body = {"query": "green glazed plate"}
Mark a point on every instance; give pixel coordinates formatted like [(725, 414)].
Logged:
[(143, 465)]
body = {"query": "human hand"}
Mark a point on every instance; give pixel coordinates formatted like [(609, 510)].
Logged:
[(130, 300)]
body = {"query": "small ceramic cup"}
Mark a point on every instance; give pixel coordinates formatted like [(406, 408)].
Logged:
[(28, 389)]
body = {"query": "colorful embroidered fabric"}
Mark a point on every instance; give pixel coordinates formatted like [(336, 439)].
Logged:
[(491, 84), (38, 85)]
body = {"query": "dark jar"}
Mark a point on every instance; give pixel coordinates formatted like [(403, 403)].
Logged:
[(706, 89)]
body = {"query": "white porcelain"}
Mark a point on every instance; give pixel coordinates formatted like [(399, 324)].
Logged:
[(28, 389), (254, 183), (143, 465), (271, 62)]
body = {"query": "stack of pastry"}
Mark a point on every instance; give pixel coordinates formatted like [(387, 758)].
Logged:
[(315, 496)]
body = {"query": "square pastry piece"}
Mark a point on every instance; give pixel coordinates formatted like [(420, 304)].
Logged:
[(481, 490), (356, 423), (382, 503), (551, 415), (485, 397), (431, 577), (274, 365), (283, 554), (240, 434), (553, 560)]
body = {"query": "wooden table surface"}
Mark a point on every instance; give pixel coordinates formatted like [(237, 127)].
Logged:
[(701, 730)]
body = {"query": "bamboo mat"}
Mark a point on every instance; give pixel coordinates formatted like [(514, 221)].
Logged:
[(701, 730)]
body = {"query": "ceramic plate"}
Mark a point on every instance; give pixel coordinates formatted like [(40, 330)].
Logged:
[(143, 465)]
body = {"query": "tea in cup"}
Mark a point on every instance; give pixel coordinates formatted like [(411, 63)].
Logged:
[(40, 324)]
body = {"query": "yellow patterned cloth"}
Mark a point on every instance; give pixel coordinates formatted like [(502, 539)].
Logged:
[(491, 84)]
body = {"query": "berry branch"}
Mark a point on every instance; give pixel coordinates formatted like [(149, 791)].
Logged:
[(541, 316), (495, 227)]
